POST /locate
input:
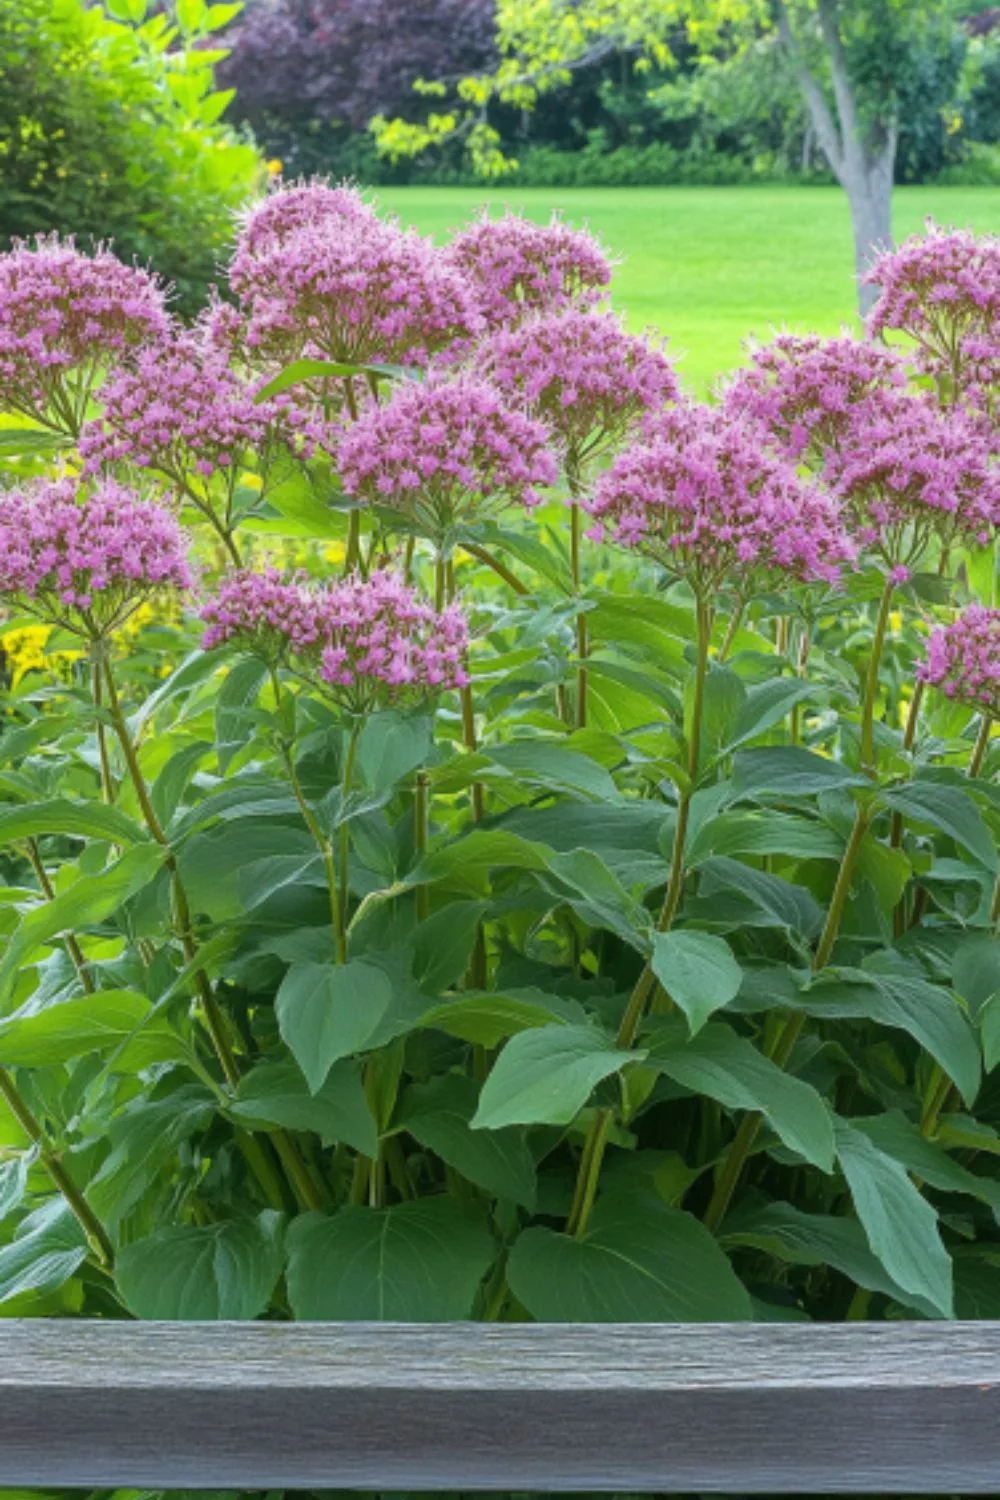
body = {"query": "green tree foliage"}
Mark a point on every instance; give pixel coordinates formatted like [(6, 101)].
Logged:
[(109, 130)]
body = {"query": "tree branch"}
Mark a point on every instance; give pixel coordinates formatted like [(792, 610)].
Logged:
[(819, 111), (839, 75)]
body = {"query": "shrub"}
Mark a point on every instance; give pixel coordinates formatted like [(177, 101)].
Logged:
[(109, 130), (496, 838)]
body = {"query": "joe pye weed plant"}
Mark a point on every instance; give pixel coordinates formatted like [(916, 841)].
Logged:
[(485, 834)]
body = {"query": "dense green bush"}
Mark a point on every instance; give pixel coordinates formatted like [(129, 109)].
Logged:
[(109, 129)]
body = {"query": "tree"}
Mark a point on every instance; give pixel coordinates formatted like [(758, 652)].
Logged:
[(851, 60), (109, 130)]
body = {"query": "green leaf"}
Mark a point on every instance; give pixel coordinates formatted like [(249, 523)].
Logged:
[(722, 706), (87, 903), (276, 1094), (698, 972), (766, 704), (639, 1262), (329, 1011), (33, 1038), (737, 894), (142, 1140), (443, 944), (391, 746), (13, 1184), (546, 1076), (212, 1272), (323, 369), (989, 1032), (438, 1115), (950, 810), (975, 969), (899, 1138), (416, 1262), (49, 1249), (802, 1239), (928, 1012), (901, 1226), (788, 772), (487, 1019), (29, 442), (761, 833), (541, 763), (598, 896), (728, 1068), (74, 819)]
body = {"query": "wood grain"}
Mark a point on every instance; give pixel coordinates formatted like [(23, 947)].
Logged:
[(891, 1408)]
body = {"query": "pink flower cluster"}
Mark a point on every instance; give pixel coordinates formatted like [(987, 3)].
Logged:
[(963, 659), (86, 562), (181, 411), (353, 290), (938, 287), (295, 206), (908, 471), (370, 641), (705, 498), (445, 453), (62, 312), (518, 267), (582, 374), (266, 614), (805, 389)]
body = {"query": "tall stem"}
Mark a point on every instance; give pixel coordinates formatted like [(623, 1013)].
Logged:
[(73, 948), (872, 676), (582, 641), (215, 1021), (344, 835), (595, 1145), (420, 829), (323, 844), (107, 780), (75, 1199), (791, 1027), (981, 746)]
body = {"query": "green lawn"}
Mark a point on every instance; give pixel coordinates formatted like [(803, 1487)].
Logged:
[(710, 266)]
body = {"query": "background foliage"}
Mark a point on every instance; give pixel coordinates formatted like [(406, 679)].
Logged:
[(110, 130)]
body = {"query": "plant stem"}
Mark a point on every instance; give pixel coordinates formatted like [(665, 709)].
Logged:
[(73, 948), (215, 1020), (352, 554), (646, 987), (500, 568), (791, 1027), (75, 1199), (420, 828), (582, 642), (981, 746), (107, 781), (872, 675), (344, 836), (735, 621)]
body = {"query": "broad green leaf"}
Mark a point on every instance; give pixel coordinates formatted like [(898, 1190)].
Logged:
[(316, 369), (90, 1023), (479, 852), (737, 894), (901, 1139), (728, 1068), (950, 810), (143, 1138), (901, 1226), (211, 1272), (802, 1239), (487, 1018), (722, 707), (742, 832), (989, 1032), (276, 1094), (87, 903), (546, 1076), (234, 867), (443, 944), (928, 1012), (787, 772), (976, 969), (599, 897), (329, 1011), (31, 442), (438, 1115), (698, 971), (766, 704), (49, 1249), (391, 746), (416, 1262), (638, 1262), (75, 819), (541, 763)]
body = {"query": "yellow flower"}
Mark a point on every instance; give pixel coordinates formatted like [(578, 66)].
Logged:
[(275, 167), (335, 552), (24, 651)]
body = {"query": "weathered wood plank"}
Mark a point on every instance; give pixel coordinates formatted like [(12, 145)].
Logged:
[(905, 1408)]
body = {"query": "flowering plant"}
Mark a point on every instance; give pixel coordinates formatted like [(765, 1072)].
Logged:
[(411, 912)]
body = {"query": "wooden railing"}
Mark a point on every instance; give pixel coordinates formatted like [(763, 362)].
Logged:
[(790, 1409)]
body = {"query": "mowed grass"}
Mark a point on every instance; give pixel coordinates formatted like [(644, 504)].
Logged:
[(710, 267)]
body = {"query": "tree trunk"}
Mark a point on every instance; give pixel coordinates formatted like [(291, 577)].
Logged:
[(862, 158)]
